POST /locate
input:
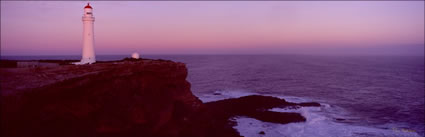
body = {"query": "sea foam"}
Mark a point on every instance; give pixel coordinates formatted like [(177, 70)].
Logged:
[(320, 121)]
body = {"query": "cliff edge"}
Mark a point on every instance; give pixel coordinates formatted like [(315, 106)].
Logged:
[(125, 98)]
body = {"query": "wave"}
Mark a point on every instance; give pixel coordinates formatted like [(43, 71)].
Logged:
[(324, 121)]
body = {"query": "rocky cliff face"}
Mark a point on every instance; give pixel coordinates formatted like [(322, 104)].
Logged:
[(128, 98)]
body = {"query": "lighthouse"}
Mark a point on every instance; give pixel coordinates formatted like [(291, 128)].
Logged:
[(88, 56)]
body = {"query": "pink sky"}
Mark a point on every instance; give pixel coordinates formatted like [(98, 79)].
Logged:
[(212, 27)]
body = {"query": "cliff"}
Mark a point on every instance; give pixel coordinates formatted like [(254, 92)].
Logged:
[(126, 98), (149, 97)]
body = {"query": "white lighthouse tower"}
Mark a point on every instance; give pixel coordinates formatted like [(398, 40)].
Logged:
[(88, 56)]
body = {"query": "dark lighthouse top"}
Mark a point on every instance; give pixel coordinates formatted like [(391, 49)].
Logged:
[(88, 6)]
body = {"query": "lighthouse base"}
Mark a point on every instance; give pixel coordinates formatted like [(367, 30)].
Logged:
[(84, 61)]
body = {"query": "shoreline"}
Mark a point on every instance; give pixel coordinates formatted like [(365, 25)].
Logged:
[(63, 93)]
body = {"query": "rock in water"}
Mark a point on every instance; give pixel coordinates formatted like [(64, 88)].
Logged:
[(261, 133), (257, 107)]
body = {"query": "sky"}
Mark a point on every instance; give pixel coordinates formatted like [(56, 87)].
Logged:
[(215, 27)]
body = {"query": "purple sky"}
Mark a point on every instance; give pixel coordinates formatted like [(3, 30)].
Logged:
[(215, 27)]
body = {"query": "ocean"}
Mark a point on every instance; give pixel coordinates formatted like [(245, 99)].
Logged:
[(380, 96)]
